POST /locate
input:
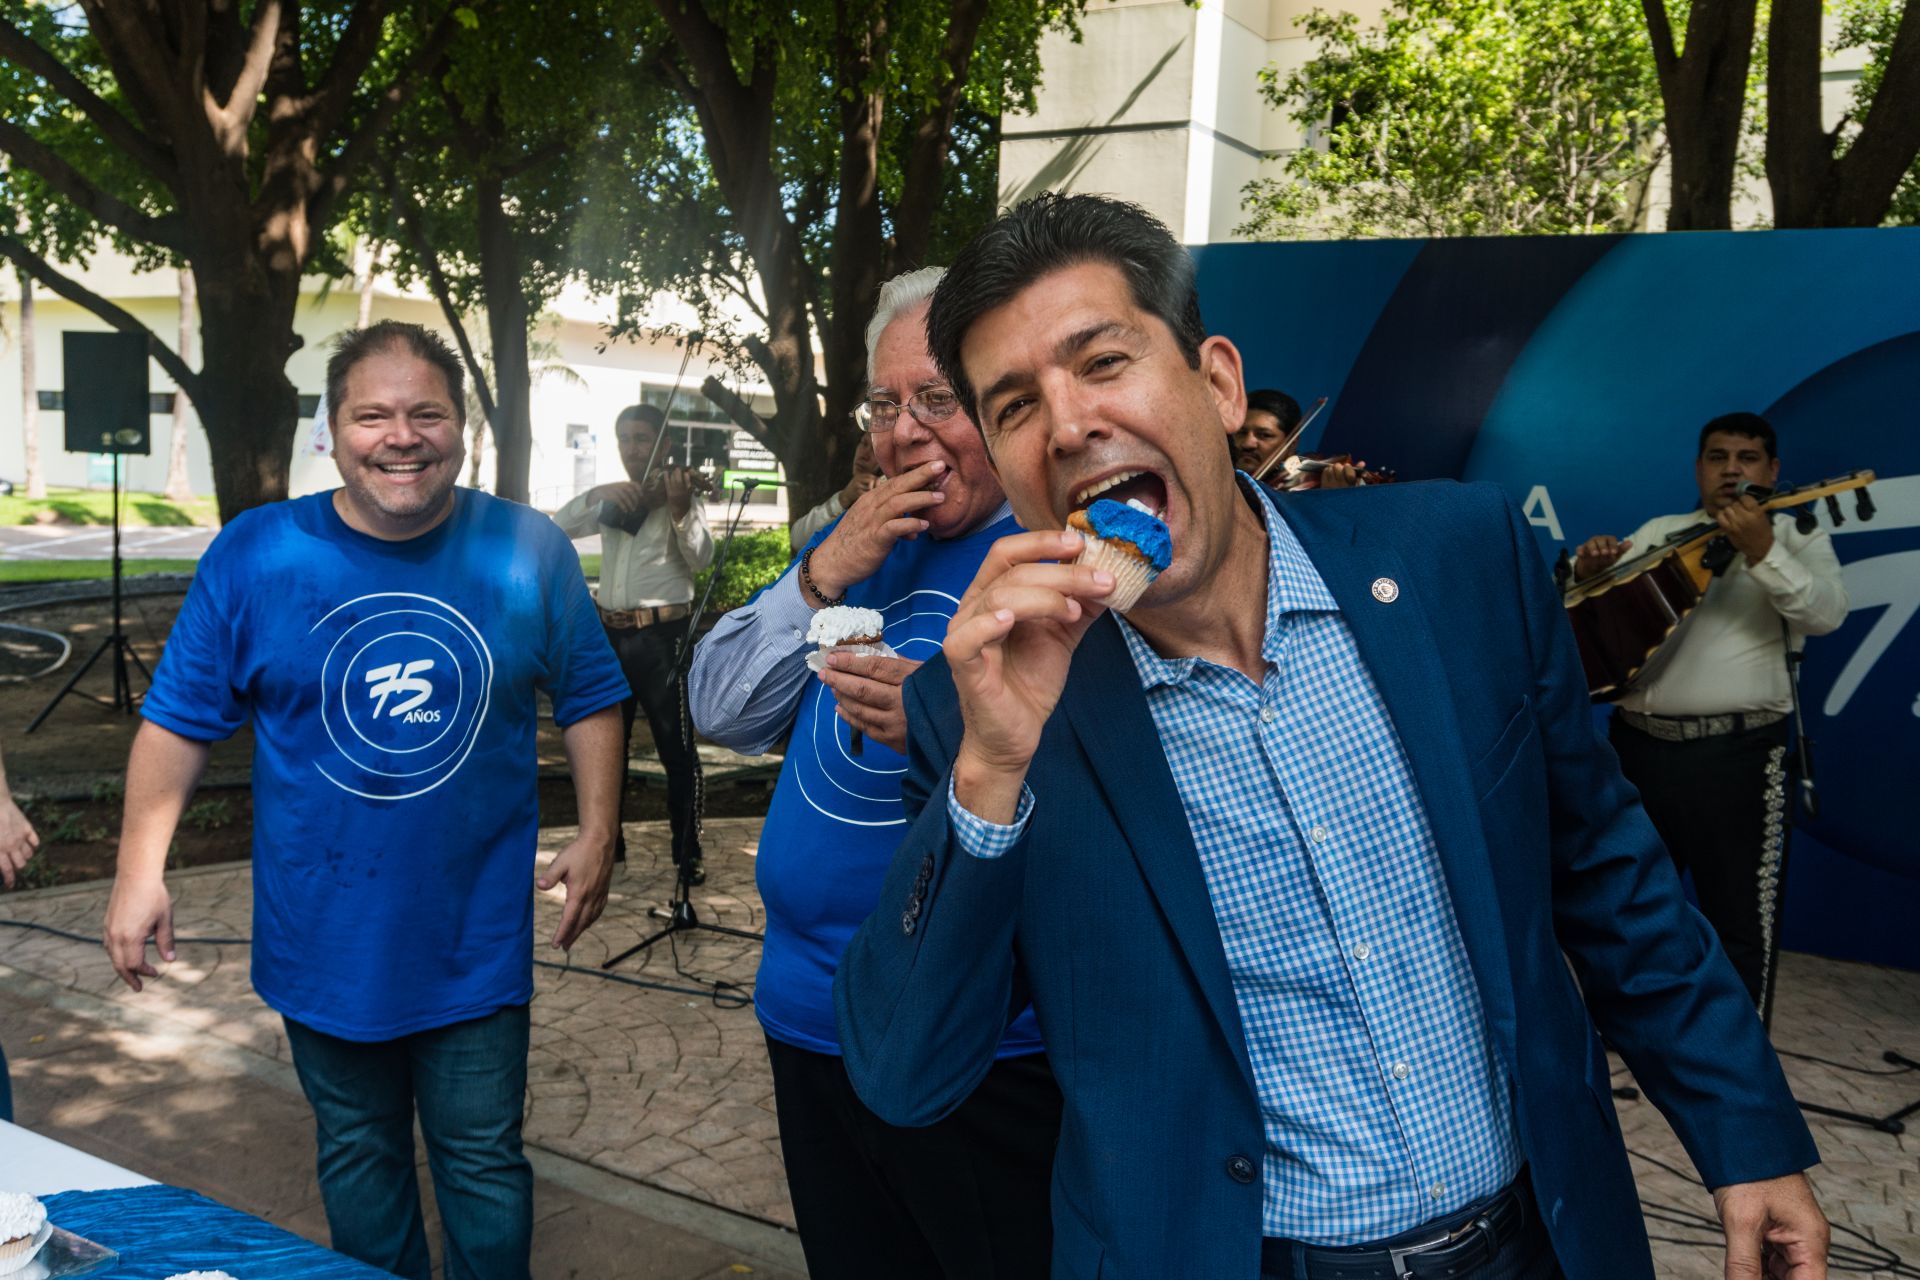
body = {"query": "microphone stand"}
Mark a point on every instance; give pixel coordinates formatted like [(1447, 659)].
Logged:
[(679, 913), (1894, 1122)]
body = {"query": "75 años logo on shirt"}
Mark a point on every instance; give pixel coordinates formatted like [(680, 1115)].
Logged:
[(404, 690)]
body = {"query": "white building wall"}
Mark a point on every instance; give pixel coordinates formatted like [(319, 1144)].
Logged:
[(584, 385)]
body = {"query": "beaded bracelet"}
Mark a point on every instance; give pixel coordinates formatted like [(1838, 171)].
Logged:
[(806, 580)]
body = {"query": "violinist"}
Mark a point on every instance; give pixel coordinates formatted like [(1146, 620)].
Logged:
[(1272, 422), (1271, 417), (1703, 732), (653, 539)]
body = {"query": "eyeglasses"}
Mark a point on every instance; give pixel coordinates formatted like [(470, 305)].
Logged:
[(929, 408)]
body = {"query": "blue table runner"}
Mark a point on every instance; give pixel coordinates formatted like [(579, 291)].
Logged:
[(164, 1231)]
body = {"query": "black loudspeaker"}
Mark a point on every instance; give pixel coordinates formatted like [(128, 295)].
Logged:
[(106, 392)]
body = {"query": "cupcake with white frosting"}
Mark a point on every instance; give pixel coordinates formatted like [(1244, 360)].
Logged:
[(23, 1229)]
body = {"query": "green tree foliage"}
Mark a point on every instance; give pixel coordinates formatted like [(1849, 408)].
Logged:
[(756, 560), (1466, 117), (830, 144), (222, 135), (508, 177)]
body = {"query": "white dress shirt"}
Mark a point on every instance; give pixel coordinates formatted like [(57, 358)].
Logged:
[(652, 567), (815, 520), (1729, 654)]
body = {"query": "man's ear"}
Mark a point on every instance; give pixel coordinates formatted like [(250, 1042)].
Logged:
[(1221, 366)]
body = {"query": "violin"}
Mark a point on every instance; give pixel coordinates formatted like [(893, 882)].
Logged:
[(1623, 615), (1302, 471), (704, 482)]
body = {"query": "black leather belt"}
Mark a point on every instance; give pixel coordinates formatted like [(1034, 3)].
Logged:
[(1452, 1246), (1688, 728)]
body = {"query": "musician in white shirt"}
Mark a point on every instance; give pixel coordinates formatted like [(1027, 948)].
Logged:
[(1703, 730), (652, 541)]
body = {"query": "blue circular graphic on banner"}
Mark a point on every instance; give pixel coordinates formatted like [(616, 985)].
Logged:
[(864, 790), (404, 691)]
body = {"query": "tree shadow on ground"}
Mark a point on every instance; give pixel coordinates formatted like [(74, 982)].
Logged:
[(160, 513), (69, 512)]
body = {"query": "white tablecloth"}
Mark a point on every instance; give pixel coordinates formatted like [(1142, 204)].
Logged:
[(40, 1166)]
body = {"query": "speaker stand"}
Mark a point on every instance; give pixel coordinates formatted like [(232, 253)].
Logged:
[(115, 642)]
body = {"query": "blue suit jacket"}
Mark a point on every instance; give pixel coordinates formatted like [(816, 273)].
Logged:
[(1101, 916)]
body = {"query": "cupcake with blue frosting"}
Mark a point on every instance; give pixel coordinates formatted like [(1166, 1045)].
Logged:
[(1127, 541)]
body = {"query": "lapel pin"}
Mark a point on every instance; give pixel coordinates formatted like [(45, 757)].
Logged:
[(1386, 590)]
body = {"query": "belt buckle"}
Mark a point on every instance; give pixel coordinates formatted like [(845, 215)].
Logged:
[(1397, 1258)]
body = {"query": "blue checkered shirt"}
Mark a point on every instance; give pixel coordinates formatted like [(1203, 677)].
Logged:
[(1384, 1102)]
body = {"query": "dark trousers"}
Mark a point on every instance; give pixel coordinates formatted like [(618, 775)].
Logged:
[(468, 1082), (1721, 805), (646, 657), (964, 1199)]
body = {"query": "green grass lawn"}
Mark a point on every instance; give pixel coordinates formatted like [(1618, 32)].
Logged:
[(95, 506), (69, 570)]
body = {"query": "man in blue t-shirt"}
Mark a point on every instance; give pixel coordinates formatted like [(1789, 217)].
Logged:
[(968, 1196), (387, 641)]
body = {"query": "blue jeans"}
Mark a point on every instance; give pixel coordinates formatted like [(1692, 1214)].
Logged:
[(6, 1089), (469, 1083)]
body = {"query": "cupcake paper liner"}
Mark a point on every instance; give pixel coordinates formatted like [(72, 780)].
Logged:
[(1132, 575), (817, 660)]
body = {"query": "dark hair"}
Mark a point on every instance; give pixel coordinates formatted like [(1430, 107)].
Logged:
[(356, 345), (1751, 425), (1284, 408), (1046, 234), (653, 415)]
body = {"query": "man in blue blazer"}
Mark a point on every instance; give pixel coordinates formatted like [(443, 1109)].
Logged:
[(1312, 866)]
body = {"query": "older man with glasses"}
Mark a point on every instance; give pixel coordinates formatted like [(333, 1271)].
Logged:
[(967, 1196)]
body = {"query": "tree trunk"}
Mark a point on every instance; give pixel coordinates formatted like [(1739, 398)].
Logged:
[(247, 402), (507, 322), (1812, 187), (814, 457), (178, 489), (30, 391), (859, 255), (365, 263), (1704, 90)]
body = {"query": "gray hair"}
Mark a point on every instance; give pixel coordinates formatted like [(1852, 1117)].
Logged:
[(902, 293)]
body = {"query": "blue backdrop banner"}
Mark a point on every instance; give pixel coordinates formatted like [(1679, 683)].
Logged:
[(1576, 373)]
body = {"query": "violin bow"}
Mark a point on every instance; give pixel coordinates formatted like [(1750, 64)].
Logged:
[(1293, 438)]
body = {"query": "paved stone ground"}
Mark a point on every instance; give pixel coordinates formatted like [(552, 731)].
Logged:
[(669, 1091)]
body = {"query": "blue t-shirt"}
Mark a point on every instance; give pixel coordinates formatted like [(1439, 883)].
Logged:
[(836, 818), (391, 688)]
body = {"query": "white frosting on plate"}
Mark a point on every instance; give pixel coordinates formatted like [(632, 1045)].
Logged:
[(841, 622), (21, 1215), (201, 1275)]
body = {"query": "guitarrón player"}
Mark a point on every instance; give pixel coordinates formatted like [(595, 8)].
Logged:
[(1703, 730)]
